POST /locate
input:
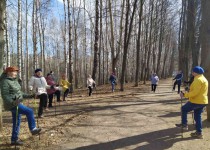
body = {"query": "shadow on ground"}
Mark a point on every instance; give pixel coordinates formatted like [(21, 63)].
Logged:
[(157, 140)]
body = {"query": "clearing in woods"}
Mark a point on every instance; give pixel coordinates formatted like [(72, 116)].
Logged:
[(136, 119)]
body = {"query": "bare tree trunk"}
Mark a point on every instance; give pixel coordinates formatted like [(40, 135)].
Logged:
[(70, 44), (7, 39), (64, 38), (196, 50), (138, 44), (41, 42), (127, 40), (190, 39), (34, 20), (100, 44), (84, 47), (107, 51), (182, 36), (163, 11), (2, 42), (26, 44), (205, 44), (19, 37), (167, 49), (150, 38), (95, 63), (112, 37)]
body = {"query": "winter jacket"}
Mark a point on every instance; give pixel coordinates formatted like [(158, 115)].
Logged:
[(154, 79), (178, 78), (11, 91), (64, 84), (50, 82), (38, 85), (112, 79), (198, 93), (90, 82)]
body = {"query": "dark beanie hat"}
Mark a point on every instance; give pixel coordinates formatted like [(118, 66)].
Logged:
[(198, 70), (37, 70)]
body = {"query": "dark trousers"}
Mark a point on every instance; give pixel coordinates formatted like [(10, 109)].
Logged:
[(90, 90), (179, 85), (50, 96), (65, 94), (42, 103), (154, 87)]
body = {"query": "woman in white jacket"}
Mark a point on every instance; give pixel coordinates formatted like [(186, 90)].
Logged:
[(38, 84), (90, 84)]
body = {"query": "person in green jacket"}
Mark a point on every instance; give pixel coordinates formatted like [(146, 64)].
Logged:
[(12, 96), (198, 99)]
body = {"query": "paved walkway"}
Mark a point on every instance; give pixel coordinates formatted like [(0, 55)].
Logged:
[(137, 120)]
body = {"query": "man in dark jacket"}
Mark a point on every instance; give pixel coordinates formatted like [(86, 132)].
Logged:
[(178, 81), (12, 96), (112, 79)]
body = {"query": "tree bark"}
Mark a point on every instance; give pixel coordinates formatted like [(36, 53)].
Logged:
[(205, 44), (70, 44), (2, 43), (138, 44), (19, 39), (34, 20), (95, 63), (127, 40), (27, 52)]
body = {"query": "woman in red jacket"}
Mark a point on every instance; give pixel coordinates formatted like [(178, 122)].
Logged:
[(50, 92)]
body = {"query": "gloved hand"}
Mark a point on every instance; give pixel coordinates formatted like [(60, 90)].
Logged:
[(181, 94), (31, 96), (16, 101), (56, 88), (187, 89)]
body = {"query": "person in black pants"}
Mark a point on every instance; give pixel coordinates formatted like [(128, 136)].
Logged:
[(154, 81), (38, 84), (42, 104), (50, 92), (90, 84), (178, 81), (50, 97)]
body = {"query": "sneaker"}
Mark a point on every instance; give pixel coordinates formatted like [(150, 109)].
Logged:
[(184, 127), (197, 135), (35, 131), (18, 142), (46, 109), (41, 116)]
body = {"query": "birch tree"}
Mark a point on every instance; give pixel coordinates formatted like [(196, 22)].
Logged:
[(2, 42), (19, 38)]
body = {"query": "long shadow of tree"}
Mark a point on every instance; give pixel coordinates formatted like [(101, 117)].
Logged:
[(157, 140)]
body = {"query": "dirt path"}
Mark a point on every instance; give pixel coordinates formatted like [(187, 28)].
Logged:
[(134, 121)]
